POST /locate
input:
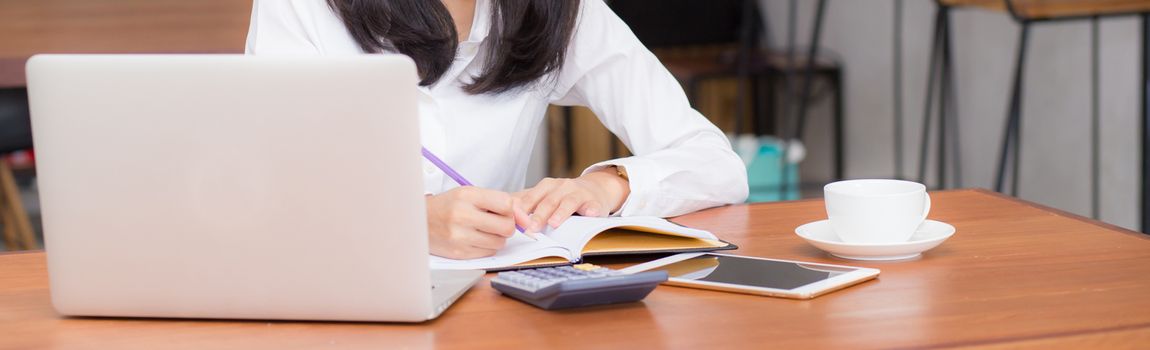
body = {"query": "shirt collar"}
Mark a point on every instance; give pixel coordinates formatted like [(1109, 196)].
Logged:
[(481, 23), (480, 26)]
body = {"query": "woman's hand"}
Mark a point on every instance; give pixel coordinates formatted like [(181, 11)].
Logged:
[(552, 201), (469, 222)]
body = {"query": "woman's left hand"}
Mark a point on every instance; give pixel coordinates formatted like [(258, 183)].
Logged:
[(552, 201)]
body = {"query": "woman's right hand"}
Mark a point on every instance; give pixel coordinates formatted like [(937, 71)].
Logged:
[(469, 222)]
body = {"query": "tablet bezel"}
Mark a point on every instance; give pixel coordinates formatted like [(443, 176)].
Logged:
[(855, 276)]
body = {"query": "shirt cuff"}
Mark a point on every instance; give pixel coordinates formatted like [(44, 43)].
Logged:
[(642, 180)]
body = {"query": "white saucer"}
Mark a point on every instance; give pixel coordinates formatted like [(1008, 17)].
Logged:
[(929, 235)]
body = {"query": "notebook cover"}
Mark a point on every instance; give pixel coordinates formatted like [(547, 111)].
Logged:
[(553, 263), (528, 265), (729, 246), (629, 242)]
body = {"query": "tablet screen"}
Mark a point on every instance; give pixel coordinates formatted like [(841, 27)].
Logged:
[(751, 272)]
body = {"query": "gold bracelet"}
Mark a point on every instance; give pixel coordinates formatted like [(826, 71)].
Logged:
[(621, 172)]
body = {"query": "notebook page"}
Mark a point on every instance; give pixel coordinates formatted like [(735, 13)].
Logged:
[(578, 230), (519, 249)]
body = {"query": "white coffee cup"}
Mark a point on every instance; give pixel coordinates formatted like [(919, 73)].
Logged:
[(876, 211)]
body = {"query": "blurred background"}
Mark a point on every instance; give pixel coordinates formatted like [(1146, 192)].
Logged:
[(1039, 99)]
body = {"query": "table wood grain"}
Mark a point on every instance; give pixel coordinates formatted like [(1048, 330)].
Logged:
[(1014, 275)]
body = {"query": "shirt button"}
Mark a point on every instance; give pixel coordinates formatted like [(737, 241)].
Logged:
[(428, 168)]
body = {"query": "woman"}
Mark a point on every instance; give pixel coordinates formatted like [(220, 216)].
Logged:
[(489, 70)]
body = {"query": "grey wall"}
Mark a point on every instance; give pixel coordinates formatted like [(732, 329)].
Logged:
[(1056, 122)]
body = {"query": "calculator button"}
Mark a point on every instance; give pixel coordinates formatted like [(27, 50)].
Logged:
[(575, 286), (585, 267)]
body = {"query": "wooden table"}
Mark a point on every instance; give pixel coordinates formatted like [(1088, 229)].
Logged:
[(1015, 275), (29, 27)]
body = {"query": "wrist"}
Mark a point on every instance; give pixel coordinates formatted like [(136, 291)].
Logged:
[(615, 187)]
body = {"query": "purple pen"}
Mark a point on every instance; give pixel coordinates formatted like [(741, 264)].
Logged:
[(455, 176), (446, 169)]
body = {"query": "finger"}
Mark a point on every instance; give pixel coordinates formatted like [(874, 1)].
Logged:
[(522, 218), (531, 198), (472, 252), (500, 225), (486, 241), (567, 207), (528, 200), (593, 209), (494, 201), (544, 211), (464, 250)]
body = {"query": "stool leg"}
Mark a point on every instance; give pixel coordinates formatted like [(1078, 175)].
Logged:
[(1095, 125), (748, 47), (1144, 129), (758, 108), (770, 107), (933, 62), (1013, 121), (951, 97), (789, 72), (808, 74), (6, 223), (16, 219), (943, 93), (1016, 174), (805, 91), (896, 86), (840, 140)]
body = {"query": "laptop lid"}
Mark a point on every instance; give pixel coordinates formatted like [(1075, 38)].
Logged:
[(229, 186)]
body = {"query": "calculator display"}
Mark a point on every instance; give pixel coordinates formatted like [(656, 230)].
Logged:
[(751, 272)]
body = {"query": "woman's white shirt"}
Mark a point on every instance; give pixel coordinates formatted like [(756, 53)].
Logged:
[(682, 162)]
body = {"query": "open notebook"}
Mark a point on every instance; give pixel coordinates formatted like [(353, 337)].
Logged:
[(587, 236)]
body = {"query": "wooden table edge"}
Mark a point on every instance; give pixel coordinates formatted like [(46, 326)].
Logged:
[(1061, 212), (1006, 341), (1051, 210), (18, 252)]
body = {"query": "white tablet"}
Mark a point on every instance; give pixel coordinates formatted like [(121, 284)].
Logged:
[(770, 277)]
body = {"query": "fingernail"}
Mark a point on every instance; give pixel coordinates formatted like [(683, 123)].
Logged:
[(592, 212)]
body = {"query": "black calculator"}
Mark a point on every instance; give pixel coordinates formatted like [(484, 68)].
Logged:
[(564, 287)]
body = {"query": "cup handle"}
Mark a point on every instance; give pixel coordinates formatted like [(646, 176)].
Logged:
[(926, 208)]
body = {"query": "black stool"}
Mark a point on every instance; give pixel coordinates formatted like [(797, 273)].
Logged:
[(15, 135)]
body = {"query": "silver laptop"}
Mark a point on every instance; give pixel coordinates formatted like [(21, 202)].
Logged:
[(228, 186)]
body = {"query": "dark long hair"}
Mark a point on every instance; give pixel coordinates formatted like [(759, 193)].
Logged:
[(528, 38)]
